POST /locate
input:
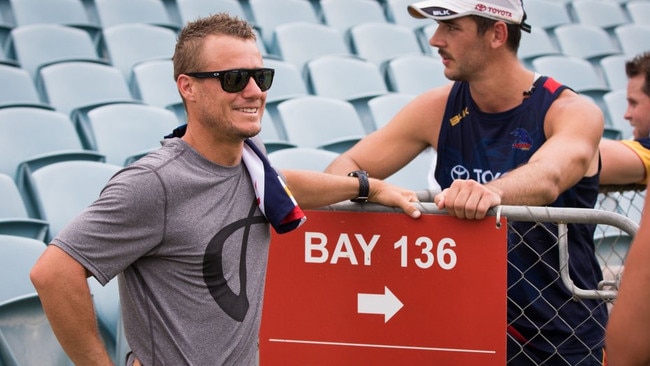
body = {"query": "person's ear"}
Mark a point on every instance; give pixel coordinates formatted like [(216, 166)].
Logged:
[(185, 85), (500, 34)]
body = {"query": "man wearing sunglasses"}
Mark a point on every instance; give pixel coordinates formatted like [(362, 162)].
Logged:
[(505, 135), (186, 228)]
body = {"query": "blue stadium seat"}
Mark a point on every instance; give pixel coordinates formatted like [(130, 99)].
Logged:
[(33, 137), (273, 135), (603, 14), (189, 10), (300, 42), (65, 12), (535, 44), (613, 68), (17, 256), (634, 38), (347, 78), (153, 83), (75, 87), (23, 91), (321, 122), (415, 74), (120, 131), (38, 45), (113, 12), (132, 43), (14, 219), (62, 190), (575, 72), (344, 14), (288, 83), (616, 105), (303, 158), (589, 42), (414, 174), (269, 14), (547, 14), (638, 11), (384, 107), (381, 42), (397, 13)]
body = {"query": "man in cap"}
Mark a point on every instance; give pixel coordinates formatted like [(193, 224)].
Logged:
[(506, 136)]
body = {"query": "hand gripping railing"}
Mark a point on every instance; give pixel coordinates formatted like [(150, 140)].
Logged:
[(560, 216)]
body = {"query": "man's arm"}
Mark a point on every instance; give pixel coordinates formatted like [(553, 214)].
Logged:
[(628, 334), (573, 127), (387, 150), (621, 165), (315, 189), (61, 283)]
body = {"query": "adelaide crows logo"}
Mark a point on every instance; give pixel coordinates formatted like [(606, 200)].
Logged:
[(522, 139)]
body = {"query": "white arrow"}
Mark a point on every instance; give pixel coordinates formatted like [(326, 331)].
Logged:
[(386, 303)]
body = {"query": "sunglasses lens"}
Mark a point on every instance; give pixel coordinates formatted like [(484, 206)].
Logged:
[(263, 79), (234, 81)]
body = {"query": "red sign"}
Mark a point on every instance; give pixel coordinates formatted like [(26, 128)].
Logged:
[(353, 288)]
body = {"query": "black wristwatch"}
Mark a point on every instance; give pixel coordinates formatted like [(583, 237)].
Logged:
[(364, 185)]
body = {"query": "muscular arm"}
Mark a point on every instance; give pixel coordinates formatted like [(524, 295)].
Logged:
[(628, 334), (621, 165), (573, 127), (314, 189), (62, 286), (387, 150)]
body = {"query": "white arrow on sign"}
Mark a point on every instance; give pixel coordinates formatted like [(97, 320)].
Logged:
[(386, 303)]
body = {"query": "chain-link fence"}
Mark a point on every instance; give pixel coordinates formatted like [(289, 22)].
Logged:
[(583, 313)]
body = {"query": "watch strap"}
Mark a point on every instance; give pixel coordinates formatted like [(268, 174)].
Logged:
[(364, 185)]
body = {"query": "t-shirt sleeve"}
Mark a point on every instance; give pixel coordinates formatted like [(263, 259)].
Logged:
[(642, 149), (123, 224)]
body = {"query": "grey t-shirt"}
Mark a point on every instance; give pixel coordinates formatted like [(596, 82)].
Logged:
[(190, 247)]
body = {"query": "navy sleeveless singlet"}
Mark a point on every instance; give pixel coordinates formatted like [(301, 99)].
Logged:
[(484, 146)]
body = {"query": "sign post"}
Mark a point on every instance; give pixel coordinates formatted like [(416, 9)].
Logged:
[(369, 288)]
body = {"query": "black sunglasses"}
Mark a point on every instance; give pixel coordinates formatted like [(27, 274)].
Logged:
[(234, 81)]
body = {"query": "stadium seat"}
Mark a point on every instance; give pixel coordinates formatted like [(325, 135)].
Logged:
[(273, 135), (33, 137), (26, 337), (189, 10), (425, 35), (346, 78), (6, 59), (384, 107), (414, 175), (633, 38), (269, 14), (62, 190), (153, 83), (547, 14), (65, 12), (129, 44), (14, 219), (75, 87), (577, 73), (300, 42), (397, 13), (344, 14), (119, 131), (381, 42), (23, 91), (602, 14), (535, 44), (321, 122), (589, 42), (616, 105), (613, 68), (17, 256), (38, 45), (113, 12), (639, 11), (303, 158), (414, 74), (288, 83)]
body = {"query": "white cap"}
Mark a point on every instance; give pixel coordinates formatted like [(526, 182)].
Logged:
[(509, 11)]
